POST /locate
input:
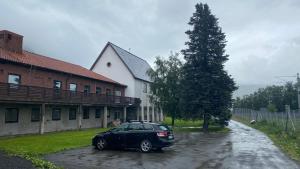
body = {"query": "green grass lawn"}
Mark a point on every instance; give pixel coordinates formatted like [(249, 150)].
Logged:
[(183, 123), (33, 146), (289, 143)]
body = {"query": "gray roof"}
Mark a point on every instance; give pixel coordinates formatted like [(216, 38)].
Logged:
[(136, 65)]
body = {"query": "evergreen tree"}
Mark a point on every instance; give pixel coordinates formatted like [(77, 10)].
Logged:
[(207, 88)]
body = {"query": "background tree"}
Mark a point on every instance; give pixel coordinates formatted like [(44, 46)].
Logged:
[(206, 86), (166, 84), (274, 98)]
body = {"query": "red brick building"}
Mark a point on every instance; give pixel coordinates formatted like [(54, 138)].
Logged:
[(40, 94)]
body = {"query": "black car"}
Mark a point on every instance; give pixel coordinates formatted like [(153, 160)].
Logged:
[(141, 135)]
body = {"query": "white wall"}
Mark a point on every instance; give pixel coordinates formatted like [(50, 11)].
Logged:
[(139, 86), (117, 71)]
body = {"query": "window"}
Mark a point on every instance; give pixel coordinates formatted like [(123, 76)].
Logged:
[(14, 79), (56, 112), (9, 36), (145, 88), (86, 113), (72, 114), (122, 127), (35, 114), (136, 126), (98, 90), (87, 89), (108, 92), (12, 115), (108, 64), (73, 87), (118, 98), (148, 127), (116, 115), (117, 93), (1, 36), (97, 113), (56, 84)]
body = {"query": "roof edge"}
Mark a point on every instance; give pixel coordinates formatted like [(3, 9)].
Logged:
[(102, 51)]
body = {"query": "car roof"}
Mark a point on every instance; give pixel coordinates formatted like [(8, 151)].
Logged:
[(141, 122)]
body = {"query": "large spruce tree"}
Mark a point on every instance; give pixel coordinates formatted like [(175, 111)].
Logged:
[(206, 87)]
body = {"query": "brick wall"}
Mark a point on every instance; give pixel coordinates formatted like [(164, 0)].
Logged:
[(34, 76)]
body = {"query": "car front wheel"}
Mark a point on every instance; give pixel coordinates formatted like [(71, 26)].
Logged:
[(145, 146), (101, 144)]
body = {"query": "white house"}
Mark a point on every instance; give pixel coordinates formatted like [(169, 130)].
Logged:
[(126, 68)]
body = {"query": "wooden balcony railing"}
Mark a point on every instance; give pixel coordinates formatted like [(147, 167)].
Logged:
[(21, 93)]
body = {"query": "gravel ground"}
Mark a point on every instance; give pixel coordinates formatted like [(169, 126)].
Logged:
[(13, 162), (242, 148)]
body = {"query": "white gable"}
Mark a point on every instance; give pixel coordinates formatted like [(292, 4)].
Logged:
[(116, 71)]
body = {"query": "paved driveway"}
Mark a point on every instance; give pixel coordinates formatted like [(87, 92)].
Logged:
[(243, 147)]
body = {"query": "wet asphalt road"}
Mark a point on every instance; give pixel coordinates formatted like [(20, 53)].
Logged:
[(242, 148), (13, 162)]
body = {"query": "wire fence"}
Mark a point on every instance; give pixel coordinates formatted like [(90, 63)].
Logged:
[(288, 121)]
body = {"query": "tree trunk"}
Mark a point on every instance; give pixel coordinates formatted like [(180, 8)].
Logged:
[(205, 122), (173, 118)]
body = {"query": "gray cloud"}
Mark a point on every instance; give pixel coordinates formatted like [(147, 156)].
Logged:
[(263, 36)]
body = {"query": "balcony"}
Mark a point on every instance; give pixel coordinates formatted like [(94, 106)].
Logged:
[(32, 94)]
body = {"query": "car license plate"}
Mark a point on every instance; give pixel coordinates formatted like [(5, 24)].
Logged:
[(170, 137)]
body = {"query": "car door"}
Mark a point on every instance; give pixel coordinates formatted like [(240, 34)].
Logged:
[(134, 135), (117, 136)]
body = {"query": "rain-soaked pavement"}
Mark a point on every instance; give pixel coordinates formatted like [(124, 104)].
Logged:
[(242, 148)]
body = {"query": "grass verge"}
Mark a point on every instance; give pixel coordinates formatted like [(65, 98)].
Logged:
[(32, 147), (289, 143), (193, 126)]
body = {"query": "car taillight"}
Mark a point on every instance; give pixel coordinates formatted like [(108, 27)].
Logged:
[(162, 134)]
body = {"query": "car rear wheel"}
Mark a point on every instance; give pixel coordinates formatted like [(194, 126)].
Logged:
[(101, 144), (145, 146)]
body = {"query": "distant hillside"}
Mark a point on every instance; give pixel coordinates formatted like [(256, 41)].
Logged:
[(246, 89)]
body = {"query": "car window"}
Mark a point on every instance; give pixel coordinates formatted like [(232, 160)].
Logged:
[(135, 127), (164, 128), (122, 127), (148, 127)]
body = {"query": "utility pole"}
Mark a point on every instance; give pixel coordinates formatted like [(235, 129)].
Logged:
[(298, 90)]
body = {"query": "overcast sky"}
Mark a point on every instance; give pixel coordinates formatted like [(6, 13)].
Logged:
[(263, 35)]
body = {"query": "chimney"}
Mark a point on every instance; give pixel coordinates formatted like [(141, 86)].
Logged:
[(11, 41)]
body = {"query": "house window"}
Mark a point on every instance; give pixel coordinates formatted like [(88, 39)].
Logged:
[(98, 90), (117, 93), (97, 113), (56, 113), (145, 88), (87, 89), (12, 115), (9, 36), (1, 36), (86, 113), (116, 115), (118, 98), (56, 84), (73, 87), (108, 64), (108, 92), (35, 114), (72, 114), (14, 79)]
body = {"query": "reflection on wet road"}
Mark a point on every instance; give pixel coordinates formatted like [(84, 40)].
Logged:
[(242, 148)]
